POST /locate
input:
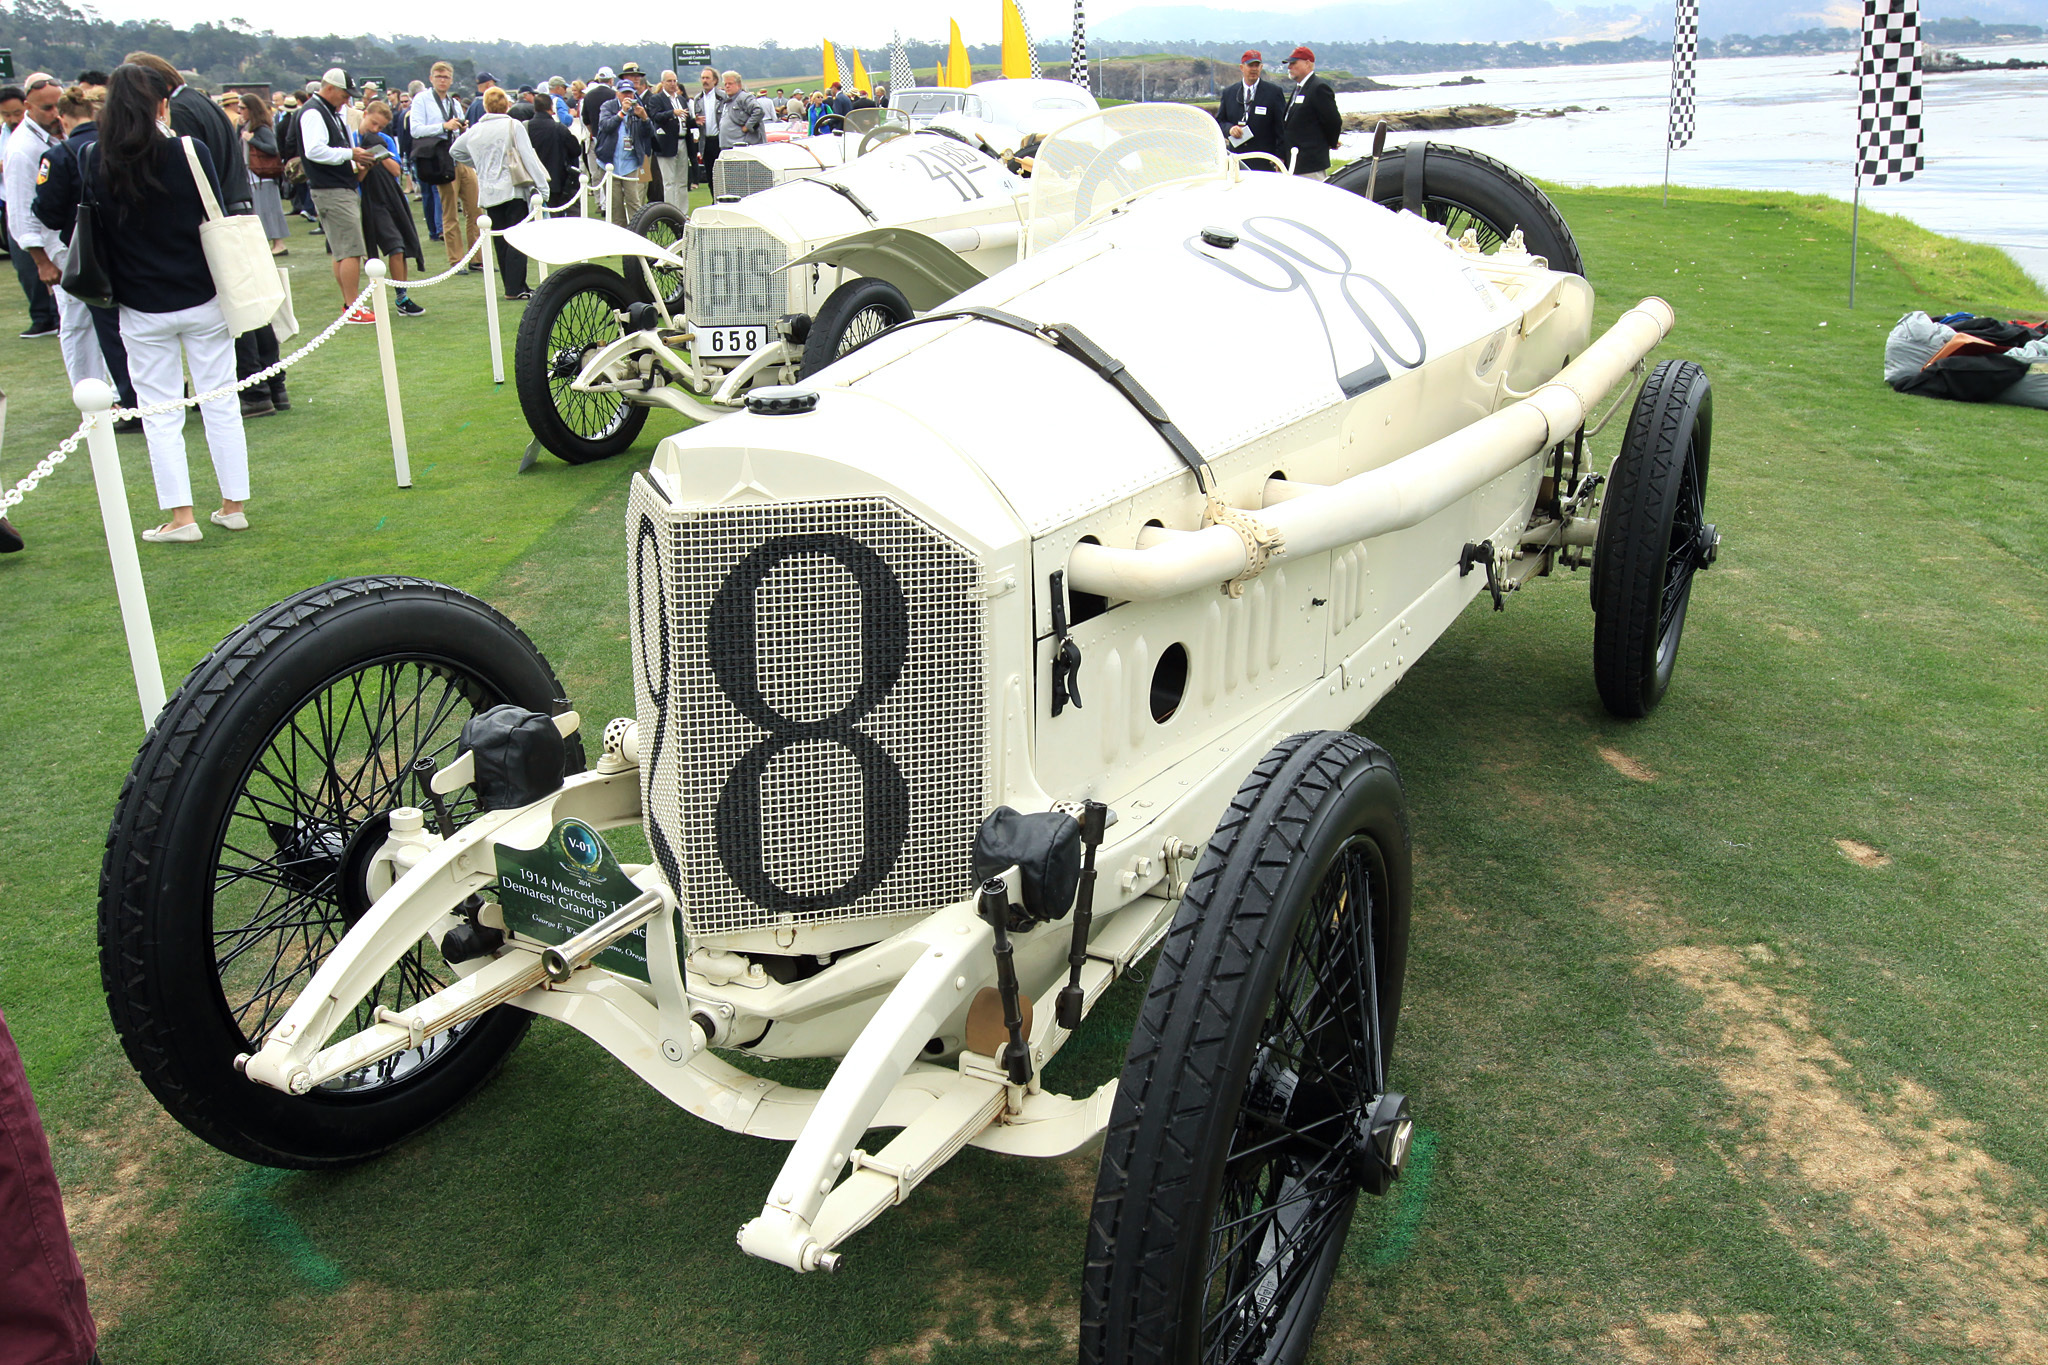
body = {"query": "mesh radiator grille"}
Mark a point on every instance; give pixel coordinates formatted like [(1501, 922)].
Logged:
[(733, 275), (810, 678), (742, 175)]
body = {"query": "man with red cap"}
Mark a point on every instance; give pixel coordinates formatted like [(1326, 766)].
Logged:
[(1312, 123), (1250, 113)]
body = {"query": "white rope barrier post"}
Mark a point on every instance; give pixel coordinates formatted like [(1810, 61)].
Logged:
[(387, 357), (583, 193), (95, 398), (490, 258), (538, 209)]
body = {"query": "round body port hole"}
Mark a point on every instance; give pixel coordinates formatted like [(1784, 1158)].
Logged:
[(1169, 682)]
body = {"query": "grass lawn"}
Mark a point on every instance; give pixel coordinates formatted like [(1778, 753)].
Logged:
[(1726, 1026)]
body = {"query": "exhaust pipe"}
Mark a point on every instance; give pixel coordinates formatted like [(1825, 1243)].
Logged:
[(1393, 497)]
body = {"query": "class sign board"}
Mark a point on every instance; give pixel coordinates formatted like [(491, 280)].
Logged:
[(689, 56), (554, 892), (6, 63)]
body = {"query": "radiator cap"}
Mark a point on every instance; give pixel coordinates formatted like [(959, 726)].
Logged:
[(781, 399)]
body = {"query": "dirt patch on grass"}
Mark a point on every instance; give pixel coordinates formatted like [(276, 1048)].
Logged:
[(1626, 766), (1907, 1173), (974, 1312), (1862, 854), (1686, 1338), (116, 1222)]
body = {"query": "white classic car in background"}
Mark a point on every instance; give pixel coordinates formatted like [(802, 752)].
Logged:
[(1014, 643), (1001, 113), (768, 289)]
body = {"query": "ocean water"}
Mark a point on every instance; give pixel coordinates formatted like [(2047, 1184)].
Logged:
[(1771, 123)]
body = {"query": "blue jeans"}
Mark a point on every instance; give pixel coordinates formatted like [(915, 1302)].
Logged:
[(430, 200)]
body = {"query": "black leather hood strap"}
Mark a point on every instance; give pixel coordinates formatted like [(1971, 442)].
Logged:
[(1074, 342)]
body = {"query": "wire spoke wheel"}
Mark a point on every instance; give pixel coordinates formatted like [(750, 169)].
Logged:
[(1654, 538), (863, 326), (574, 314), (313, 807), (854, 313), (244, 849), (662, 224), (1288, 1187), (1463, 189), (583, 325), (1254, 1103)]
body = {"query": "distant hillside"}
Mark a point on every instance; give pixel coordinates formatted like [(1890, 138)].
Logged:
[(1505, 21)]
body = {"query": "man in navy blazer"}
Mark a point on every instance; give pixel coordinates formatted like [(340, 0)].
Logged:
[(1250, 112), (1312, 124)]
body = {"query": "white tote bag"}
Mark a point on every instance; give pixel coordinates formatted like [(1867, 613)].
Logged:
[(238, 256), (285, 322)]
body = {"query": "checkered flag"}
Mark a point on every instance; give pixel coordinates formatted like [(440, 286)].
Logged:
[(901, 77), (1030, 47), (1077, 68), (1888, 92), (1685, 53)]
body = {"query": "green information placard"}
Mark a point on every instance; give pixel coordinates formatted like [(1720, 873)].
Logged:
[(6, 63), (688, 57), (556, 891)]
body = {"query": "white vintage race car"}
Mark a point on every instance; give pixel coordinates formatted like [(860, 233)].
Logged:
[(1013, 645), (1000, 113), (774, 287)]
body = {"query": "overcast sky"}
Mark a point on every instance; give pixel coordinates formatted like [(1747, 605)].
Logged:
[(793, 23)]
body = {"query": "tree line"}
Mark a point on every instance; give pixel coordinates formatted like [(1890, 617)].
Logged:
[(51, 35)]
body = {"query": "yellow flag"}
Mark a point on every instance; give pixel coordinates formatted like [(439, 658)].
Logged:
[(939, 75), (1016, 46), (959, 71), (860, 74), (831, 66)]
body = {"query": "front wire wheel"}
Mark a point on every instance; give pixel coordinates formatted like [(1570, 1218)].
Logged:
[(241, 850), (856, 312), (574, 313), (1254, 1101)]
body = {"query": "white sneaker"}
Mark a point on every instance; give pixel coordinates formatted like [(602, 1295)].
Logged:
[(168, 535), (233, 521)]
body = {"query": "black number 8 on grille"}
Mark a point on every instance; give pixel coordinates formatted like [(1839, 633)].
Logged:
[(732, 642)]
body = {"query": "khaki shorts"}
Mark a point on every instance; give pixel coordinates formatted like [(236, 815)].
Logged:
[(341, 218)]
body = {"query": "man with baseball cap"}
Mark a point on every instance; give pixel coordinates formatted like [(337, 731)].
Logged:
[(1250, 112), (1309, 132), (475, 114), (331, 158)]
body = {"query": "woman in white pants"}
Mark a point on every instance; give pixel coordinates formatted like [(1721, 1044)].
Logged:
[(149, 217)]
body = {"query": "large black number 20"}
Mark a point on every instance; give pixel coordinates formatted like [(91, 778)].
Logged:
[(732, 634)]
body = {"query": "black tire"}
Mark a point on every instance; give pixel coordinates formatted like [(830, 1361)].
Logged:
[(1317, 824), (1463, 189), (570, 316), (854, 312), (214, 910), (1654, 536), (661, 223)]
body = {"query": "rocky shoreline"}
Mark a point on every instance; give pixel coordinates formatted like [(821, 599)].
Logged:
[(1454, 116)]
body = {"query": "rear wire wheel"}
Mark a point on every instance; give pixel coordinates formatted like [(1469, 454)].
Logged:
[(238, 855), (1654, 537), (574, 313), (662, 224), (856, 312), (1461, 189), (1249, 1112)]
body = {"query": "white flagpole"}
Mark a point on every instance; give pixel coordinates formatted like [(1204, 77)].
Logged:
[(1855, 217)]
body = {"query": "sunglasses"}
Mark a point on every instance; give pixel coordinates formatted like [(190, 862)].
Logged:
[(36, 85), (1254, 63)]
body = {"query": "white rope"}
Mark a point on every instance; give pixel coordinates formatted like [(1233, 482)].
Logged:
[(14, 496), (450, 273)]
